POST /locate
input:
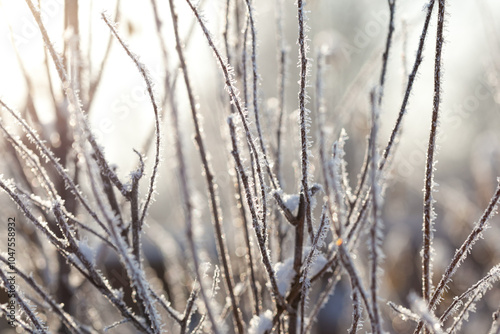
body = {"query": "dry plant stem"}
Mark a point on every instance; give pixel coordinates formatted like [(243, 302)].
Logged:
[(356, 281), (356, 313), (166, 306), (375, 227), (304, 277), (428, 221), (170, 80), (458, 300), (380, 93), (333, 173), (187, 39), (304, 127), (463, 251), (238, 192), (92, 276), (134, 274), (323, 298), (244, 74), (188, 312), (73, 100), (238, 19), (141, 290), (188, 219), (59, 65), (46, 153), (62, 245), (26, 327), (334, 265), (253, 212), (420, 307), (37, 323), (345, 260), (293, 220), (134, 212), (132, 195), (93, 176), (244, 61), (144, 295), (248, 244), (169, 87), (255, 97), (281, 89), (113, 202), (42, 226), (217, 219), (409, 87), (32, 160), (225, 33), (307, 218), (137, 226), (61, 156), (254, 154), (403, 311), (361, 180), (404, 47), (402, 112), (67, 319), (351, 238), (385, 56), (328, 176), (235, 100), (458, 319), (44, 209), (327, 172)]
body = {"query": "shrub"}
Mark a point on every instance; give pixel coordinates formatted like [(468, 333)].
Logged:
[(272, 258)]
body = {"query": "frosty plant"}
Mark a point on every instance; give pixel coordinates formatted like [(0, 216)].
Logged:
[(281, 242)]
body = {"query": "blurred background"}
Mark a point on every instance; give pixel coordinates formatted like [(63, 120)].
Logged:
[(353, 33)]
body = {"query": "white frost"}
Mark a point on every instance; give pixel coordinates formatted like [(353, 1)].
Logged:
[(318, 264), (291, 201), (261, 324), (285, 273), (86, 250)]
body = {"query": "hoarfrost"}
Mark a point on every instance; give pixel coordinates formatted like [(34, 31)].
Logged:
[(285, 273), (261, 324), (291, 201)]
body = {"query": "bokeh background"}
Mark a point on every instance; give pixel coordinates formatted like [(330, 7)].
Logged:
[(354, 34)]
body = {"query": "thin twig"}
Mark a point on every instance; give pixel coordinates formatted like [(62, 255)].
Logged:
[(209, 178), (145, 75), (409, 87), (250, 202), (463, 251), (375, 247), (429, 214)]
